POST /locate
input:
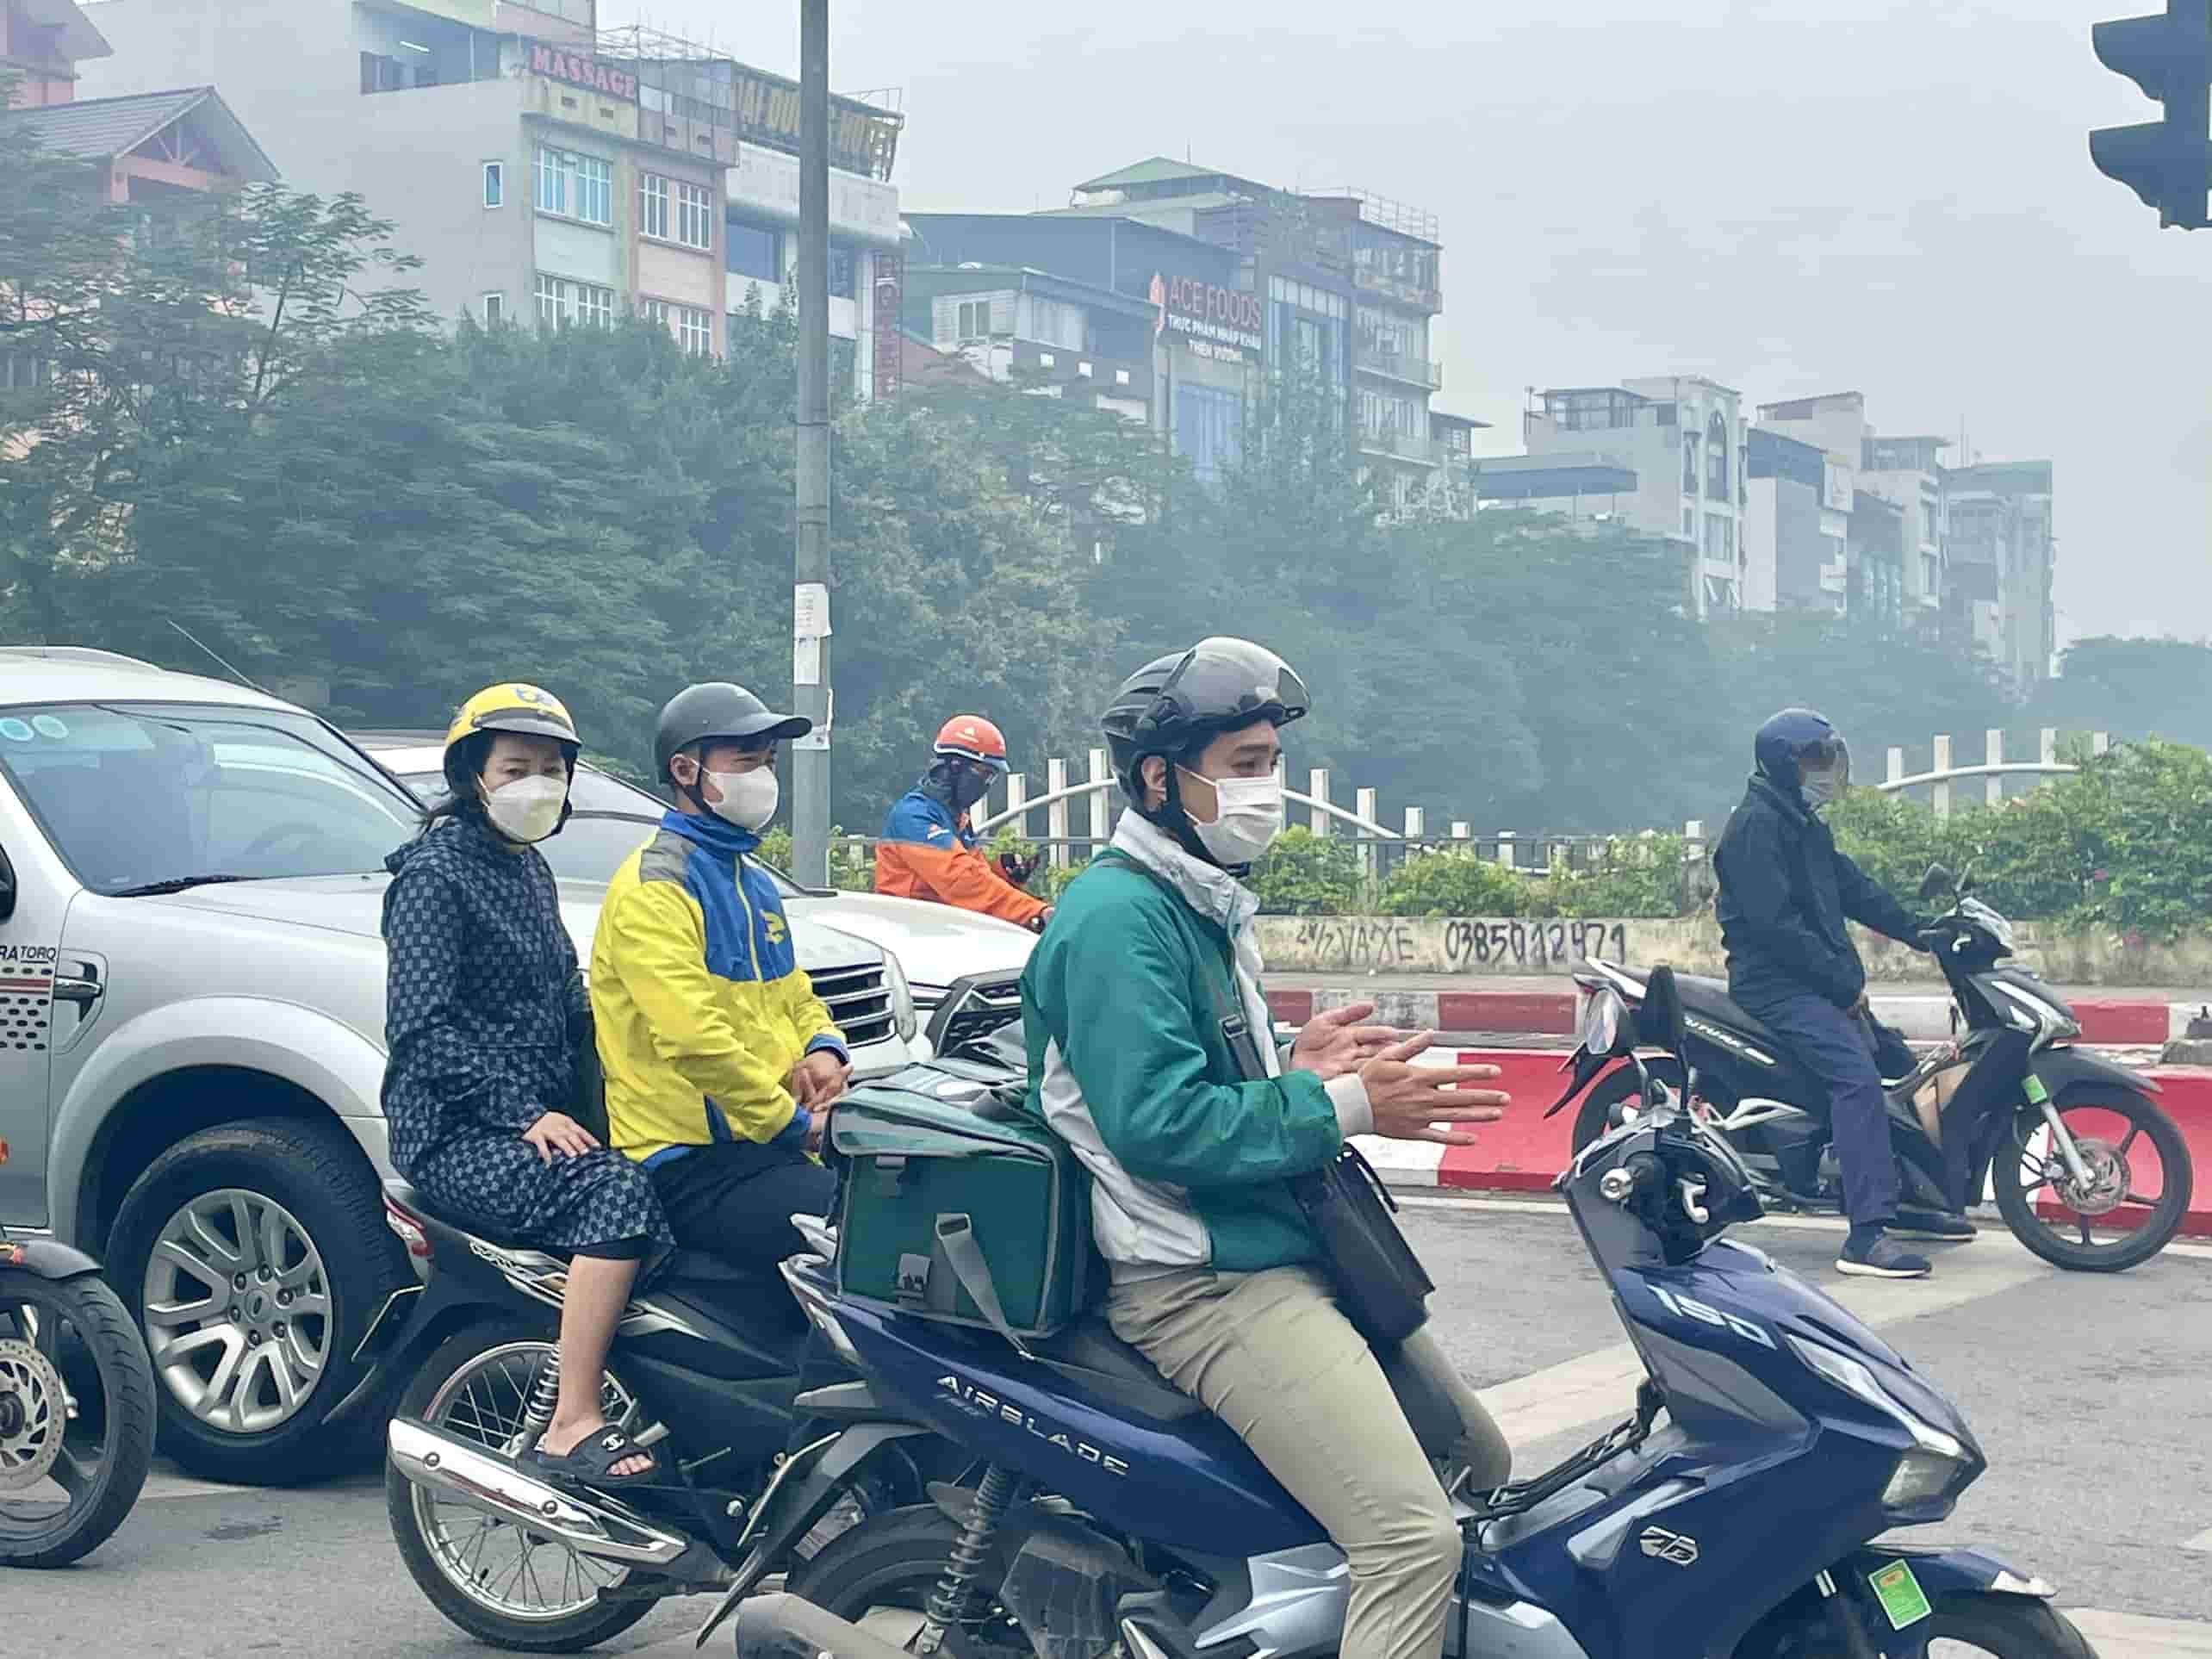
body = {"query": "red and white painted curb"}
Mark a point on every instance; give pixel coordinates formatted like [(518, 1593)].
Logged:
[(2133, 1022), (1525, 1151)]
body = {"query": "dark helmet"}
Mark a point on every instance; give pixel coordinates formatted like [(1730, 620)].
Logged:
[(1795, 737), (700, 714), (1178, 703)]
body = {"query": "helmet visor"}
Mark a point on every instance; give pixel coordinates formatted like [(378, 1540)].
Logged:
[(1829, 755), (1224, 682)]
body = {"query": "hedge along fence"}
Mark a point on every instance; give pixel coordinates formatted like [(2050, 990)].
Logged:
[(2124, 844)]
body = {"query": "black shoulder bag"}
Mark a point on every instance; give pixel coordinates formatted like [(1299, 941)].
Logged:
[(1379, 1282)]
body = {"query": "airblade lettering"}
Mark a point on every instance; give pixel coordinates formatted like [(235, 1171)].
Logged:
[(989, 1405)]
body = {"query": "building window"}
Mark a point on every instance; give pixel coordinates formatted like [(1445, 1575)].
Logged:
[(654, 312), (840, 273), (560, 301), (1208, 424), (494, 310), (1306, 328), (752, 250), (694, 216), (495, 184), (574, 186), (1689, 463), (21, 371), (1717, 459), (974, 321), (694, 331), (669, 210), (1690, 522)]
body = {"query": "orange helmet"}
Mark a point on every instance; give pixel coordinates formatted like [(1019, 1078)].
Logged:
[(972, 737)]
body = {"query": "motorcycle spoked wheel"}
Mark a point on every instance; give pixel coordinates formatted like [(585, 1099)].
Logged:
[(505, 1587), (77, 1417), (880, 1575), (1979, 1626)]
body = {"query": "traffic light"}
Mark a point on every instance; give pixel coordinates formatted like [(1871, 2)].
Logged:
[(2167, 163)]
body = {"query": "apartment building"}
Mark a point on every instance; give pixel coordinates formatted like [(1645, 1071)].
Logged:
[(541, 169)]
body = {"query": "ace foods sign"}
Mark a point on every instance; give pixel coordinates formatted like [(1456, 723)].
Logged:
[(1212, 321)]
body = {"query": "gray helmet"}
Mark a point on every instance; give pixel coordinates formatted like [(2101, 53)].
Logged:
[(718, 710), (1178, 703)]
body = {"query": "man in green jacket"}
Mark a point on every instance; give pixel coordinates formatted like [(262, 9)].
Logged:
[(1134, 1002)]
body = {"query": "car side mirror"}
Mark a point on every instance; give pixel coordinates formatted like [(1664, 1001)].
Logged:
[(1937, 883), (7, 886), (1661, 1016)]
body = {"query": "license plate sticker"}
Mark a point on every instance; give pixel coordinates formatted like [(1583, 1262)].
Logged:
[(1903, 1599)]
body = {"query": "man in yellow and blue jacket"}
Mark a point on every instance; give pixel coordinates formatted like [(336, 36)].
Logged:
[(721, 1062)]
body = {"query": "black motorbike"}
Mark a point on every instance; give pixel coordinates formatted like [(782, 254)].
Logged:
[(77, 1410), (2087, 1169), (705, 1364)]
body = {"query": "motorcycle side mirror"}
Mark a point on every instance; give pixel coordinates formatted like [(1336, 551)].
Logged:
[(1661, 1016), (1967, 881), (1936, 883)]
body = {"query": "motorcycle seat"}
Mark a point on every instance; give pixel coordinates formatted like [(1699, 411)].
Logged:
[(1710, 997), (1088, 1352), (692, 1266)]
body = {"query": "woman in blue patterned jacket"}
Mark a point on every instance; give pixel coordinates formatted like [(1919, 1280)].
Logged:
[(484, 1018)]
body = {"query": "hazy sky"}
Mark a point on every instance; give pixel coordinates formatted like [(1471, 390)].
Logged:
[(1790, 196)]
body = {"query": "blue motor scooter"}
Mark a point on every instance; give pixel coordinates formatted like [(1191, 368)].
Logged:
[(1115, 1517)]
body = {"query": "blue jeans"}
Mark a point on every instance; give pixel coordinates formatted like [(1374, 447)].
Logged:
[(1836, 1048)]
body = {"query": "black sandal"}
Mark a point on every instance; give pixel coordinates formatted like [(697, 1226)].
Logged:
[(587, 1462)]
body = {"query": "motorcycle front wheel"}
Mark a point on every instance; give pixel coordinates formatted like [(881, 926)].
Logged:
[(77, 1416), (1983, 1626), (2135, 1197)]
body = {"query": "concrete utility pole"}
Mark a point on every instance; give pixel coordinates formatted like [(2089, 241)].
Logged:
[(810, 812)]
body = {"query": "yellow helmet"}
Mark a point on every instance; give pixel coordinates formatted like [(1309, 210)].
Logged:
[(510, 706)]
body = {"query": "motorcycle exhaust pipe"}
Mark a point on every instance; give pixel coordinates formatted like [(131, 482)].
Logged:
[(468, 1473)]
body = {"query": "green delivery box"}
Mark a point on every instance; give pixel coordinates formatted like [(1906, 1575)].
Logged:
[(956, 1204)]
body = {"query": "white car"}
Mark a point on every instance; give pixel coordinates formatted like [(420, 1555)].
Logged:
[(936, 945)]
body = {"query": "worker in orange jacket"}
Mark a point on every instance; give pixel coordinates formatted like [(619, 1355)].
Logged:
[(929, 848)]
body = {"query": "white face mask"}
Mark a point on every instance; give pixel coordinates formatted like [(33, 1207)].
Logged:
[(748, 798), (1248, 817), (1819, 787), (527, 810)]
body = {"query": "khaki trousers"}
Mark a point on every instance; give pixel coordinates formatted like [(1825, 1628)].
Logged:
[(1269, 1355)]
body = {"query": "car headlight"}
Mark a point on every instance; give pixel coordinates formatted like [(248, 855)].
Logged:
[(902, 997), (1923, 1475)]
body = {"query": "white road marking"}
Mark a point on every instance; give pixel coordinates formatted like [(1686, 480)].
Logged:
[(1599, 1387), (2202, 1541), (2127, 1636), (1993, 1230), (160, 1485)]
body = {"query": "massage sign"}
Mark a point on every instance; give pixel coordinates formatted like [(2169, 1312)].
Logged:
[(589, 73), (1211, 321)]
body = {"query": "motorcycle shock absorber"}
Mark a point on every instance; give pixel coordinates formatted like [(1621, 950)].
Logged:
[(993, 1496), (544, 1394)]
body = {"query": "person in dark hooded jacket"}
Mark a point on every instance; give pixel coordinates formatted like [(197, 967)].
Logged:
[(484, 1020), (1786, 893)]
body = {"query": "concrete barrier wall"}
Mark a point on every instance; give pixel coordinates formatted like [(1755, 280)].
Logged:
[(1477, 947)]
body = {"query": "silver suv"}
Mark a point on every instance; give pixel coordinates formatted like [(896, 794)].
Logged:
[(191, 1036)]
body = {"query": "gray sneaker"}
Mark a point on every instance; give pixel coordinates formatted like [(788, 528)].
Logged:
[(1885, 1259), (1943, 1226)]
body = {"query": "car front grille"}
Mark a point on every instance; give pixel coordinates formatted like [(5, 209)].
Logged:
[(987, 1006), (858, 999)]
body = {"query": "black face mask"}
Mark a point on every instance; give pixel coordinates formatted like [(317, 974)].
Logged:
[(969, 785)]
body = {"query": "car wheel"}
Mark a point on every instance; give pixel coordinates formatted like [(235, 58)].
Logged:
[(252, 1256)]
